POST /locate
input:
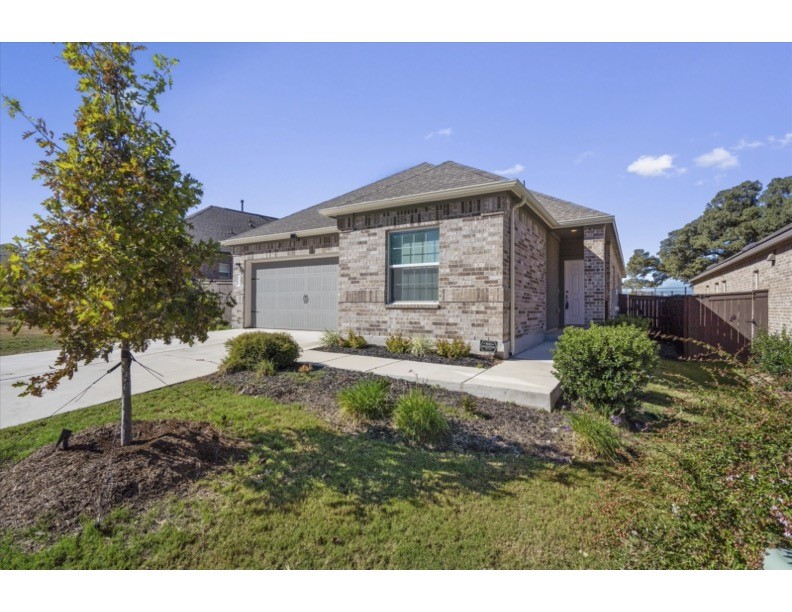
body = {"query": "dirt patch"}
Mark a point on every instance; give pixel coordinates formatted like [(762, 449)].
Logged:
[(477, 424), (472, 361), (96, 474)]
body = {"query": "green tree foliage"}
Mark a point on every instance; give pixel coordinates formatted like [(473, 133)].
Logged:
[(733, 219), (111, 262), (644, 270)]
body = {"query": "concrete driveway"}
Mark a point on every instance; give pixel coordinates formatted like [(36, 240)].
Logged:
[(176, 363)]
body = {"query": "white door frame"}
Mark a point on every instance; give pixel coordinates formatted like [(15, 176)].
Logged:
[(574, 302)]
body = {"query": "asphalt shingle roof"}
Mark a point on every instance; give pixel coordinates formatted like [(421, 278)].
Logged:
[(423, 178), (218, 223)]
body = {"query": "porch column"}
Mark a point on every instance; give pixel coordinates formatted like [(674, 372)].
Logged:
[(594, 281)]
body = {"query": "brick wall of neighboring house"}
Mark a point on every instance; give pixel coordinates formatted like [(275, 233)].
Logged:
[(530, 280), (594, 273), (470, 277), (775, 277), (247, 254)]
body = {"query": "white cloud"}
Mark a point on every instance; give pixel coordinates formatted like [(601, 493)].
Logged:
[(584, 156), (718, 158), (646, 165), (781, 142), (444, 133), (699, 183), (747, 144), (515, 169)]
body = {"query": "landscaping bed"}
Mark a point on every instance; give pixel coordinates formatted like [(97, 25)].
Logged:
[(471, 361), (477, 425), (96, 475)]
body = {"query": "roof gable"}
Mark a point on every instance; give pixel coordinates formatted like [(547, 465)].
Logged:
[(219, 223)]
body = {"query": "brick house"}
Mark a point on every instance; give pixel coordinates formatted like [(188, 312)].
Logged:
[(439, 250), (764, 264)]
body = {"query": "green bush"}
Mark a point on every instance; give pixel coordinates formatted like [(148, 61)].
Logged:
[(368, 399), (418, 417), (453, 349), (332, 339), (396, 343), (643, 323), (247, 351), (420, 346), (772, 353), (265, 368), (605, 367), (353, 340), (596, 437)]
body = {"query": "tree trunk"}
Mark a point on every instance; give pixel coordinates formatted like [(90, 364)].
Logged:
[(126, 396)]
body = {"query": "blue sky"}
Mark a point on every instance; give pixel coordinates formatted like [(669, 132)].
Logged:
[(648, 132)]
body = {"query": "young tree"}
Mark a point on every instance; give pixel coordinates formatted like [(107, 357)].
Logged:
[(644, 271), (112, 262)]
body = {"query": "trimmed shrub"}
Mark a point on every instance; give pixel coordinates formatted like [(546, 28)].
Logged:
[(353, 340), (396, 343), (453, 349), (247, 351), (368, 399), (643, 323), (772, 354), (265, 368), (596, 437), (420, 346), (605, 367), (332, 339), (418, 417)]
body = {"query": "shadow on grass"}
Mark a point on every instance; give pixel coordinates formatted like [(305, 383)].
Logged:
[(288, 464)]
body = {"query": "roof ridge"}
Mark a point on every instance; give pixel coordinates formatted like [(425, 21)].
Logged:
[(479, 171), (407, 178)]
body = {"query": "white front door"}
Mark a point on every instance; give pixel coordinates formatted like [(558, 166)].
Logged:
[(573, 292)]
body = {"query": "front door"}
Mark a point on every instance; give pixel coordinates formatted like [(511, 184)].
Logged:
[(573, 292)]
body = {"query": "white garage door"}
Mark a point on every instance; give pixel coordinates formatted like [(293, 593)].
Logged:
[(295, 295)]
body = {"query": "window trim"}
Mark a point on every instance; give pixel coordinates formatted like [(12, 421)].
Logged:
[(389, 301)]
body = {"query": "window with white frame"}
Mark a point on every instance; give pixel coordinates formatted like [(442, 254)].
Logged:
[(413, 265), (224, 270)]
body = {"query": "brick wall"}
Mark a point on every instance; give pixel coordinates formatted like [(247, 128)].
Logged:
[(775, 277), (594, 273)]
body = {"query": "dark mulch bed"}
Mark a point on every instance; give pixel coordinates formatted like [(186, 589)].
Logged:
[(477, 425), (473, 361), (96, 474)]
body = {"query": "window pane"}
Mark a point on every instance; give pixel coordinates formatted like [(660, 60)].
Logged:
[(414, 284), (422, 246)]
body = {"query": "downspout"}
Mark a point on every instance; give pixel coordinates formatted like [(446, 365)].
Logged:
[(512, 299)]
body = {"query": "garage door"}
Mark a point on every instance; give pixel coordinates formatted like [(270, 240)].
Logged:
[(295, 295)]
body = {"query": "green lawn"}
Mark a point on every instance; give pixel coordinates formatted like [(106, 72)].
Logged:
[(26, 341), (310, 497)]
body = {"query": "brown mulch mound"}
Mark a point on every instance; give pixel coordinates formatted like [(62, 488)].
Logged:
[(96, 474), (478, 425)]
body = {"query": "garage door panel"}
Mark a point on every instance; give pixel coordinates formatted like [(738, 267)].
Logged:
[(295, 295)]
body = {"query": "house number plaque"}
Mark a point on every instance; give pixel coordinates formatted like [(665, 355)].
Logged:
[(488, 346)]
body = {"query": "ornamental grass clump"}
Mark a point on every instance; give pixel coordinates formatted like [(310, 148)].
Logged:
[(605, 367), (332, 339), (596, 437), (368, 399), (417, 417), (247, 351), (421, 346)]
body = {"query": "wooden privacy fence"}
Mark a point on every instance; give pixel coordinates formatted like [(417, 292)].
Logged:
[(224, 288), (725, 320)]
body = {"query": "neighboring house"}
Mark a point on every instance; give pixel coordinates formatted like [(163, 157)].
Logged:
[(218, 224), (446, 251), (764, 264)]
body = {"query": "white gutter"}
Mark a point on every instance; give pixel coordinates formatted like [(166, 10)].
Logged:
[(512, 296), (319, 231)]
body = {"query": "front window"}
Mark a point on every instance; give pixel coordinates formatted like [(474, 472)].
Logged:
[(224, 270), (413, 265)]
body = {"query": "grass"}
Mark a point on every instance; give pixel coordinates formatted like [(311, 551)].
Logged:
[(368, 399), (26, 341), (310, 497)]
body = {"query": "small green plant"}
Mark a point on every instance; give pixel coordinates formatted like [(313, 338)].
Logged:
[(418, 417), (332, 339), (643, 323), (353, 340), (247, 351), (596, 437), (453, 349), (265, 368), (396, 343), (368, 399), (605, 367), (772, 354), (420, 346)]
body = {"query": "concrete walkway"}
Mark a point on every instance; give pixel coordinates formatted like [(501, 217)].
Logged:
[(525, 380)]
